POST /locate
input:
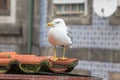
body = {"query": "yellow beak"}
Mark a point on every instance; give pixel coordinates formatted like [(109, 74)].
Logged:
[(50, 24)]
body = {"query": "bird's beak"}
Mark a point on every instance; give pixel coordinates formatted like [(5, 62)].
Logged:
[(50, 24)]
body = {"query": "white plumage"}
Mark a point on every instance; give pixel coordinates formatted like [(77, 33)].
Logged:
[(59, 35)]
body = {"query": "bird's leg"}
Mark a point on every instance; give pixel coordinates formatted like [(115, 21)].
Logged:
[(54, 51), (54, 58), (63, 57)]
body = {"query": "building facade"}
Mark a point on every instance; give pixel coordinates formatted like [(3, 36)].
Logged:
[(14, 25), (95, 39)]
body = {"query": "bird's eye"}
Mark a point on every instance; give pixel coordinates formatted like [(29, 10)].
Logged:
[(57, 22)]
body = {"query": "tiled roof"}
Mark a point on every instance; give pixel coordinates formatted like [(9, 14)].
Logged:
[(33, 63)]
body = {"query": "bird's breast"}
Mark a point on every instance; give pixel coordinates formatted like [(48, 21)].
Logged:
[(58, 37)]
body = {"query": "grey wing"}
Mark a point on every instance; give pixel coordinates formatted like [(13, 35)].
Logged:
[(69, 33)]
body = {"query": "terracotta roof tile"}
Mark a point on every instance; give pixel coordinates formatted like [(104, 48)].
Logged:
[(34, 62), (5, 61)]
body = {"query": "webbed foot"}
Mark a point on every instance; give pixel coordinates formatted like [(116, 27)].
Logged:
[(63, 58), (54, 58)]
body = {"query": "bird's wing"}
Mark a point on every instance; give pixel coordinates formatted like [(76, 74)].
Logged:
[(69, 33)]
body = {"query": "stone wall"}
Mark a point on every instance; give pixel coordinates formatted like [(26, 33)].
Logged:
[(15, 34)]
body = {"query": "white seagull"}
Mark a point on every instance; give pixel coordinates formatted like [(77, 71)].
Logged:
[(59, 35)]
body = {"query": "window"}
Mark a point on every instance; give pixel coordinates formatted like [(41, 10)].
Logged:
[(4, 7), (7, 11), (72, 11)]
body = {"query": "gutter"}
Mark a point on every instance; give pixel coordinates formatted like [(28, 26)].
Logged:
[(30, 26)]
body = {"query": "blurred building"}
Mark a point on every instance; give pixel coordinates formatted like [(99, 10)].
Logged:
[(96, 40), (15, 25)]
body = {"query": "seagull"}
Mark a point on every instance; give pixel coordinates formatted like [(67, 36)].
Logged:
[(59, 35)]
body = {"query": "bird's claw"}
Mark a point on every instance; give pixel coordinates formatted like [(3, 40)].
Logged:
[(53, 58), (63, 58)]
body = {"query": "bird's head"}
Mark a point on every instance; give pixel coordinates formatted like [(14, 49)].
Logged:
[(57, 23)]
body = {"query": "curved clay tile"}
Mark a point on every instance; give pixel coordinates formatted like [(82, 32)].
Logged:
[(43, 57), (11, 53), (61, 66), (33, 63), (29, 68), (5, 65), (20, 55), (57, 70), (5, 61), (4, 55), (7, 54), (28, 61), (63, 62)]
